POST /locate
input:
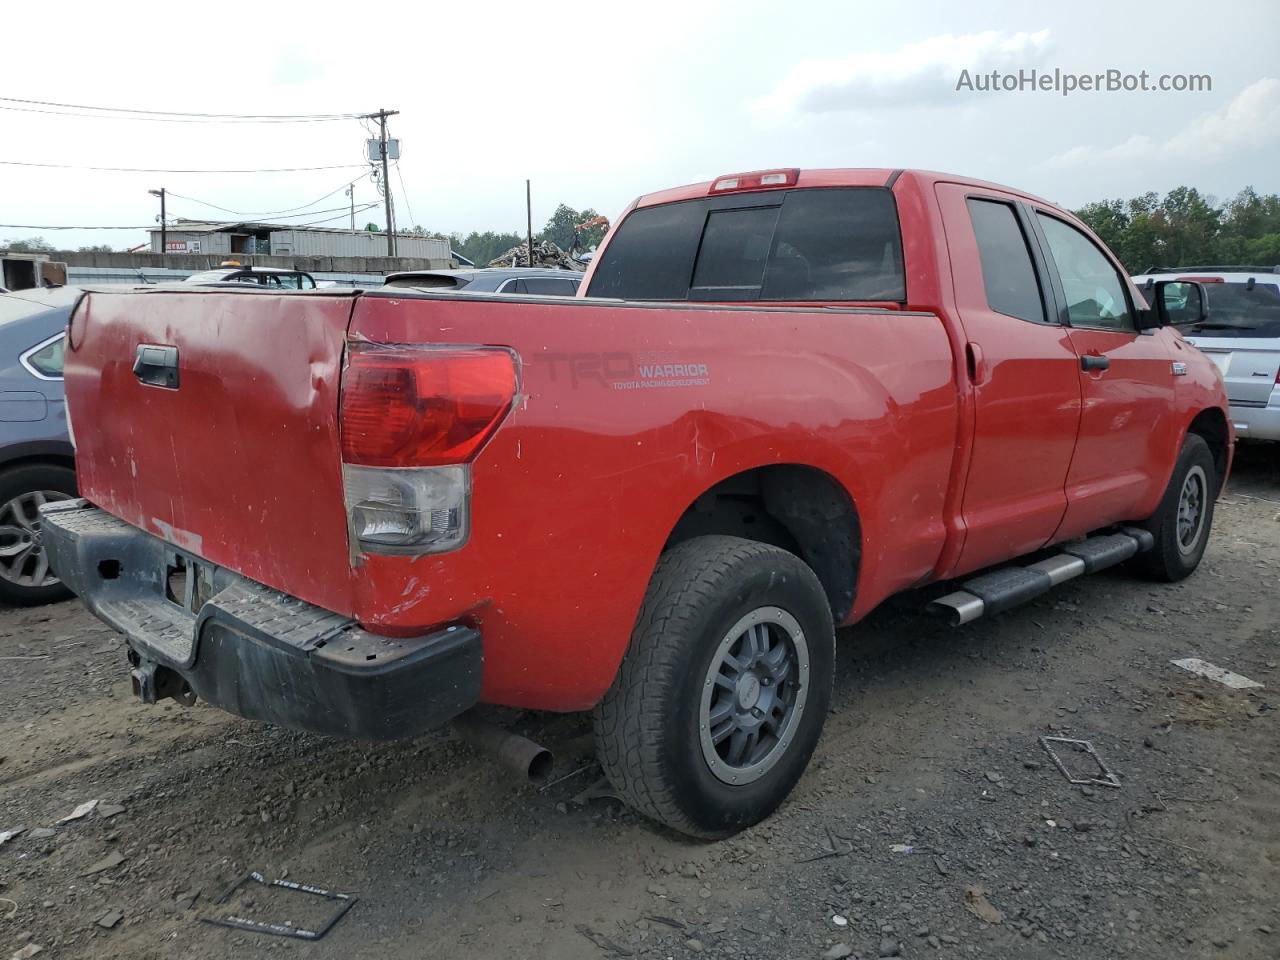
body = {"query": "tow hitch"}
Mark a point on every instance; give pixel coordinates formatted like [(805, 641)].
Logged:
[(153, 682)]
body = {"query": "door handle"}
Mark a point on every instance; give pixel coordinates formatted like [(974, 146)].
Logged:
[(975, 362), (1093, 361), (157, 365)]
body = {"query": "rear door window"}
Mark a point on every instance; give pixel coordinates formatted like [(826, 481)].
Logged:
[(832, 244), (1007, 270), (45, 360)]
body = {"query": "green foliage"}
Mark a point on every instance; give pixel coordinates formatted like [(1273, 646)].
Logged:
[(95, 248), (372, 227), (1185, 227), (30, 245)]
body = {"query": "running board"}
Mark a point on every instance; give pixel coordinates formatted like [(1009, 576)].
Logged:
[(1002, 590)]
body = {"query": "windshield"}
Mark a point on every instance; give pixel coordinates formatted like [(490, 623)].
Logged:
[(1237, 311)]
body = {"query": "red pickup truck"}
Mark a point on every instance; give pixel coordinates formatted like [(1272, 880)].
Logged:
[(785, 396)]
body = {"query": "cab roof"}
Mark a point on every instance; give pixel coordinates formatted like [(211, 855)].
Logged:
[(840, 177)]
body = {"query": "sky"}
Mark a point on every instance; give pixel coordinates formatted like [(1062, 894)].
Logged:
[(598, 103)]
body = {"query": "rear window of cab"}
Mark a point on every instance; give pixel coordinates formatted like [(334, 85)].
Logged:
[(817, 244)]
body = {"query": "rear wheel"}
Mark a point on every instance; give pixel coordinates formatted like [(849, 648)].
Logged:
[(1182, 524), (25, 577), (721, 698)]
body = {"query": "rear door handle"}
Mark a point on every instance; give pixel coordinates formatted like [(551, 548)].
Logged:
[(157, 365), (1092, 361), (975, 362)]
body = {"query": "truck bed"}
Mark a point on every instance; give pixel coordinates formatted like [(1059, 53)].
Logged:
[(626, 412)]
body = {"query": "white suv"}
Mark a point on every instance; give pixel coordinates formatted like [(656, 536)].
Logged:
[(1241, 335)]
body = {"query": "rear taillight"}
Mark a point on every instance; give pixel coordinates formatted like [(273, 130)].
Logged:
[(423, 407), (412, 420)]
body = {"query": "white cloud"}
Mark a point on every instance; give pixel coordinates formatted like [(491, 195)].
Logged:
[(1251, 119), (917, 73)]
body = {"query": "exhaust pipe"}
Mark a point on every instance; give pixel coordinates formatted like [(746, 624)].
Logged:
[(522, 756)]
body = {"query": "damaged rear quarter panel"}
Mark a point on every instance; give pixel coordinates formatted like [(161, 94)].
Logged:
[(627, 414)]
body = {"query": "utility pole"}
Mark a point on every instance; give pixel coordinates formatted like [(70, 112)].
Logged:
[(351, 192), (164, 234), (528, 212), (381, 117)]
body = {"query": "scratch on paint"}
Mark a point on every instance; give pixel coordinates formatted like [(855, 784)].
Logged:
[(179, 538), (412, 602)]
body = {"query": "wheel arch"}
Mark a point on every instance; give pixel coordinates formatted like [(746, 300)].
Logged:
[(800, 508), (1211, 426)]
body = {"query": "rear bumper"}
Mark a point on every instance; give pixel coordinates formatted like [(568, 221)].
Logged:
[(251, 650), (1258, 423)]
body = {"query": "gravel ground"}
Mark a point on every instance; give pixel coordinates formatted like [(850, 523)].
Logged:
[(931, 822)]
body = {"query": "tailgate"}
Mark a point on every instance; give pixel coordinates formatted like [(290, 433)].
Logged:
[(238, 462), (1249, 365)]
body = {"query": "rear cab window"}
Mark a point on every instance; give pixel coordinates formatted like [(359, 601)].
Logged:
[(810, 244)]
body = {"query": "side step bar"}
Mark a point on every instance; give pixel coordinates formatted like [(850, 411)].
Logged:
[(1001, 590)]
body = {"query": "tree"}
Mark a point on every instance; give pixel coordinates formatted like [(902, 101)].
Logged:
[(560, 228), (481, 247), (95, 248), (1185, 227), (30, 245), (372, 228)]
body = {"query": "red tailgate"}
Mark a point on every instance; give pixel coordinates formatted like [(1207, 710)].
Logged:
[(239, 464)]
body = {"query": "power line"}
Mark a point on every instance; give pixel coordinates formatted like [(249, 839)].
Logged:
[(270, 117), (360, 208), (68, 166), (305, 213), (265, 213), (33, 226), (405, 191), (109, 116)]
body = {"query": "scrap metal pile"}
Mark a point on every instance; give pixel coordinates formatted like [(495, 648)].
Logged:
[(545, 254)]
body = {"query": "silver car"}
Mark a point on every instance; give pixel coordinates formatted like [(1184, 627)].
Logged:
[(1242, 336), (536, 281), (36, 457)]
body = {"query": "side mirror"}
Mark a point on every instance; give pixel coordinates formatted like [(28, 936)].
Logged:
[(1175, 303)]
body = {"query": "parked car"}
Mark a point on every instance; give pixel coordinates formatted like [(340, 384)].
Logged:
[(841, 385), (274, 277), (1241, 336), (538, 281), (37, 462)]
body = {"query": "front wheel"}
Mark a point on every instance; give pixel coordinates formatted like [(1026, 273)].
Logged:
[(1182, 524), (720, 700)]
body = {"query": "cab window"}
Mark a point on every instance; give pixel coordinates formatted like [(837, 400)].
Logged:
[(1094, 289), (1007, 270)]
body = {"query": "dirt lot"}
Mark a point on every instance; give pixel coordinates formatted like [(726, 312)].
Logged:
[(932, 745)]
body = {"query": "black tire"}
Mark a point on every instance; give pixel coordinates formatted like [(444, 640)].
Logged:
[(1177, 553), (15, 483), (648, 726)]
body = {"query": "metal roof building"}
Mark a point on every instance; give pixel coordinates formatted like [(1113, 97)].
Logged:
[(281, 239)]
